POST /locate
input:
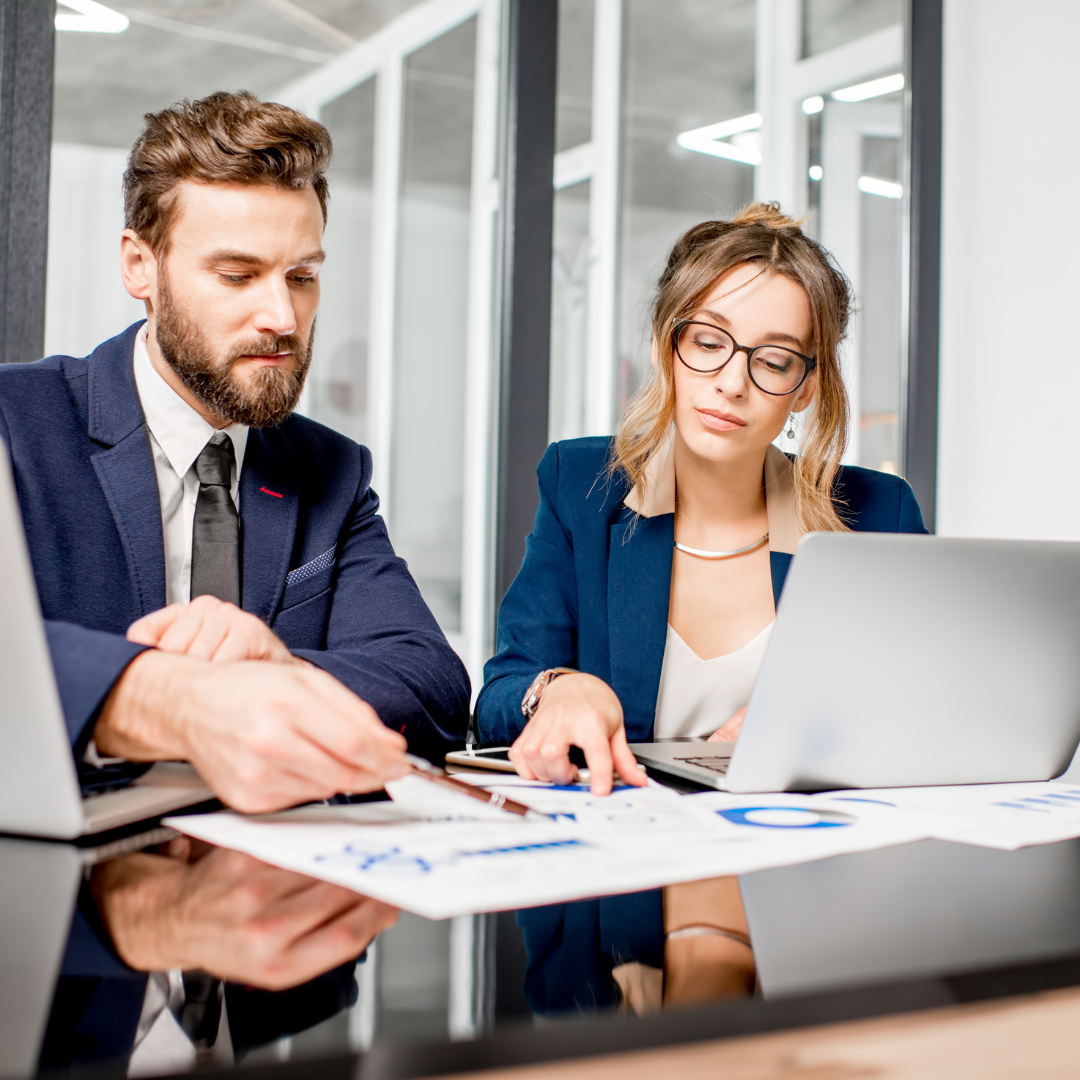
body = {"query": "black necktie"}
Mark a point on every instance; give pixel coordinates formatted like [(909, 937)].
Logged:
[(215, 539), (200, 1015)]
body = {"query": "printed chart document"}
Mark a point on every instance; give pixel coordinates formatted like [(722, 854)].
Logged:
[(440, 854), (1006, 816)]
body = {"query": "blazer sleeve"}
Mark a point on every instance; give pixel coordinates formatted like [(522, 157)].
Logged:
[(538, 617), (86, 663), (385, 645), (909, 519)]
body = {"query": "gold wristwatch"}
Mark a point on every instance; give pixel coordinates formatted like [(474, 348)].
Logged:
[(531, 701)]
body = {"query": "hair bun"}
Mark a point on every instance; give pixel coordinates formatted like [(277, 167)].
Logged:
[(760, 213)]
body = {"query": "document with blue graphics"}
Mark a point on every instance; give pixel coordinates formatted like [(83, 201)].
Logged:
[(441, 856), (1006, 816)]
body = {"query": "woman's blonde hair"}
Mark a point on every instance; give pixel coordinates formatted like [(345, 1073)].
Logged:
[(761, 234)]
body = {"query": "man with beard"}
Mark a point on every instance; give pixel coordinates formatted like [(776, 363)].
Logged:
[(216, 582)]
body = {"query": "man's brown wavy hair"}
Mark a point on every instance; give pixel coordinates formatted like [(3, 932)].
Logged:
[(762, 235), (226, 138)]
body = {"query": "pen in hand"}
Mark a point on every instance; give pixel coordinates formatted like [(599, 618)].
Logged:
[(423, 768)]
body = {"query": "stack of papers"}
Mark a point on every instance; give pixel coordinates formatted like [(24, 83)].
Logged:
[(440, 854), (1006, 816)]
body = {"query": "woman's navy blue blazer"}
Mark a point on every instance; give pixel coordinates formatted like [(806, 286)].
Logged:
[(594, 587)]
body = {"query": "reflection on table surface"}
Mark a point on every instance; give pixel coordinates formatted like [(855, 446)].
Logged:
[(167, 957)]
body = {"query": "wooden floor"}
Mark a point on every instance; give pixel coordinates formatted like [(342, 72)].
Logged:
[(1014, 1039)]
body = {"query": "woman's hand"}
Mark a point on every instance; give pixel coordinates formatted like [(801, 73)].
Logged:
[(576, 710), (730, 731)]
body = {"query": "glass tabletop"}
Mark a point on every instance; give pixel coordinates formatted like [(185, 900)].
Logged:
[(158, 955)]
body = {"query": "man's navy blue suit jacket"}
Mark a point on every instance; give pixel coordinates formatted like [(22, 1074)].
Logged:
[(594, 588), (317, 565)]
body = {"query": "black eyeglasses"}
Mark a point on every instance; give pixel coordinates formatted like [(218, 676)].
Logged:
[(705, 348)]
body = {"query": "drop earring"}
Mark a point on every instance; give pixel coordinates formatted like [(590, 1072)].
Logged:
[(791, 427)]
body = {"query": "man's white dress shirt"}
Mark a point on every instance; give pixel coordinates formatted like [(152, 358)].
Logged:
[(178, 435)]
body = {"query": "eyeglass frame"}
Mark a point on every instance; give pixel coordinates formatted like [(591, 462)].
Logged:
[(677, 329)]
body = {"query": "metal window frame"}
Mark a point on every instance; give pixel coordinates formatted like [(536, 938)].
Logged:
[(530, 51), (27, 49), (923, 104)]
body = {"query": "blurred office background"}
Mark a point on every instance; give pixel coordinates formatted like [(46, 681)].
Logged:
[(508, 178), (659, 114)]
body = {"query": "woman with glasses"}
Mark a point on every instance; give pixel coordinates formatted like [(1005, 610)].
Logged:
[(648, 591)]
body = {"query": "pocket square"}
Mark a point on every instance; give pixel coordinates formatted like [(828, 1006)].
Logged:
[(310, 569)]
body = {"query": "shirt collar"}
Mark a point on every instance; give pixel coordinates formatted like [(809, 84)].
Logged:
[(179, 430), (656, 494)]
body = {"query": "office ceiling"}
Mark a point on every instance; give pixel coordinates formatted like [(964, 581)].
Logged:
[(106, 82)]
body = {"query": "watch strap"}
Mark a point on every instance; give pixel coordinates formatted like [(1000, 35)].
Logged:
[(531, 701)]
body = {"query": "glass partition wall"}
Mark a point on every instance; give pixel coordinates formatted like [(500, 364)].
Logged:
[(402, 356), (701, 108), (667, 114), (415, 288)]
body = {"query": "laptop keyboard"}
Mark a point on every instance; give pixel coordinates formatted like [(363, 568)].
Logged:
[(712, 763)]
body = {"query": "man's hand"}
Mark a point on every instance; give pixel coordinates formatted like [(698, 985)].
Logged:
[(576, 710), (262, 735), (232, 916), (730, 731), (210, 629)]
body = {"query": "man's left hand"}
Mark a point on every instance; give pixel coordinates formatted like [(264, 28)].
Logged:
[(210, 629)]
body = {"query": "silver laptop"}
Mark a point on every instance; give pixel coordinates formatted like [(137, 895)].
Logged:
[(907, 660), (40, 794)]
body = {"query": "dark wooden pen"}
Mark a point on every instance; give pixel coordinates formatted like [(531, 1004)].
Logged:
[(423, 768)]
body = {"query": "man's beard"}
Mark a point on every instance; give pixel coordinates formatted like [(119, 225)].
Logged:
[(267, 397)]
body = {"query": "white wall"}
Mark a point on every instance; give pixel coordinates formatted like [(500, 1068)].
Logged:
[(1010, 353), (85, 300)]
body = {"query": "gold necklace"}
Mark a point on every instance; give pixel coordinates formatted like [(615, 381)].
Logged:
[(699, 553)]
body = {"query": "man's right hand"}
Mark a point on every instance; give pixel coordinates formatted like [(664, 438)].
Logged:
[(232, 916), (576, 710), (262, 735)]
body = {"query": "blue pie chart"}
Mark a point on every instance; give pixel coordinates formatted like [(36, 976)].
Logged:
[(785, 817)]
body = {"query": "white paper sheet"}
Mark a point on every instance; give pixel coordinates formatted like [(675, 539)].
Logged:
[(1006, 816), (636, 838)]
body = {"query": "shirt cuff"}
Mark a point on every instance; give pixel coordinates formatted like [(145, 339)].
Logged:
[(96, 761)]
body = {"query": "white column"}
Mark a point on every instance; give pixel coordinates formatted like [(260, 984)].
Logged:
[(604, 214), (386, 182), (780, 175), (479, 364)]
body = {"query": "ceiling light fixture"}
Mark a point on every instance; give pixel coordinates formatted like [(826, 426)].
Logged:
[(813, 104), (875, 88), (815, 172), (91, 18), (887, 189), (706, 140)]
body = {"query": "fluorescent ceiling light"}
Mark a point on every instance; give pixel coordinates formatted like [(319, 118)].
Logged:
[(887, 189), (91, 17), (815, 172), (875, 88), (813, 105), (706, 140)]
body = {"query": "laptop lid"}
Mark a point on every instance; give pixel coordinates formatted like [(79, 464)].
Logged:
[(37, 897), (912, 911), (40, 792), (912, 660)]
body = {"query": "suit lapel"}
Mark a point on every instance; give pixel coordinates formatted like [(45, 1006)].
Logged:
[(125, 465), (639, 594), (269, 508), (127, 477), (779, 564)]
